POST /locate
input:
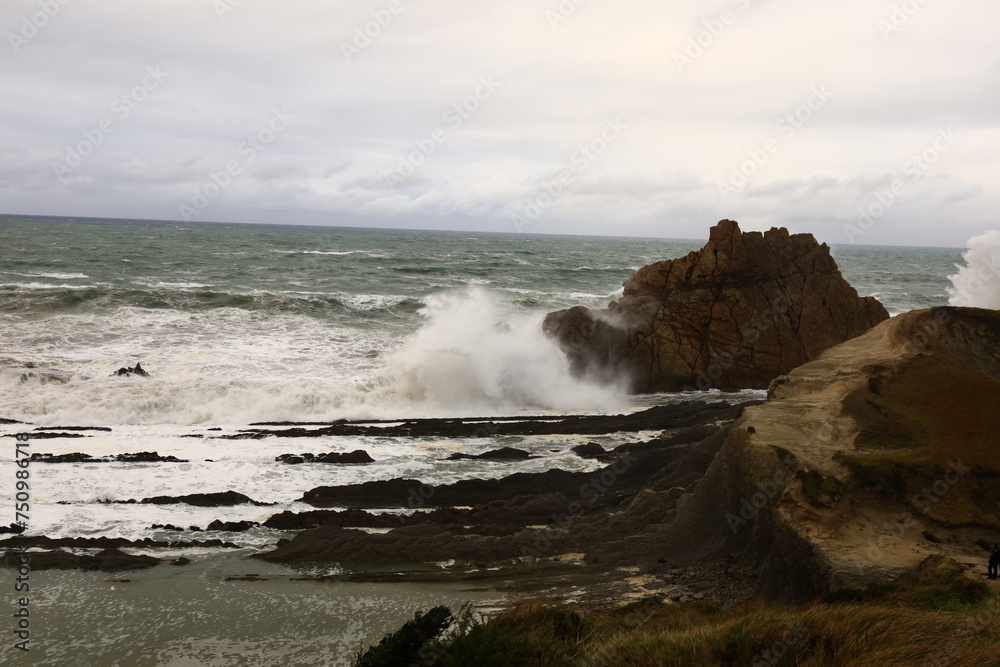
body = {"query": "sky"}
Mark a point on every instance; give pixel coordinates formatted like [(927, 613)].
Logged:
[(860, 121)]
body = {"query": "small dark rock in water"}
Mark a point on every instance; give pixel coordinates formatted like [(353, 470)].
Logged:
[(75, 457), (231, 526), (502, 454), (224, 499), (25, 377), (78, 457), (46, 435), (357, 456), (181, 561), (591, 450), (13, 528), (166, 526), (74, 428), (9, 421), (129, 371)]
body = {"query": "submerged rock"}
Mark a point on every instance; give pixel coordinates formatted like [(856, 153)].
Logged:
[(741, 311)]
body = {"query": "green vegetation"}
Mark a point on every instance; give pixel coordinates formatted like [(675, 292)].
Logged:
[(938, 616), (412, 642)]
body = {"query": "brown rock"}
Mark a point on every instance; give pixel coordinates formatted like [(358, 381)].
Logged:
[(741, 311)]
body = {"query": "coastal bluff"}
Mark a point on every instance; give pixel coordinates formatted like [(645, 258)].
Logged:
[(746, 308), (860, 465)]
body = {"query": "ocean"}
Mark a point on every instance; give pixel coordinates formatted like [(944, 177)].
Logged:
[(247, 323)]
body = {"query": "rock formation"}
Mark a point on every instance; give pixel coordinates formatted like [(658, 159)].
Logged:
[(736, 314), (861, 464)]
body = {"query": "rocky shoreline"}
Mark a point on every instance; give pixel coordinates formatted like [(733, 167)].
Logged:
[(873, 452)]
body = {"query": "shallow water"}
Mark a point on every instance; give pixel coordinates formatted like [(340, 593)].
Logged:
[(188, 616)]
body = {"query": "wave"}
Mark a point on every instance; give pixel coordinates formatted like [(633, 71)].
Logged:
[(56, 276), (473, 356), (46, 299), (470, 355), (977, 284)]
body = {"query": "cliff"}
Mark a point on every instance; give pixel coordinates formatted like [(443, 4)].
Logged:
[(736, 314), (861, 464)]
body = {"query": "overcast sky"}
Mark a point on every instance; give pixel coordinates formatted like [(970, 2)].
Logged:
[(586, 116)]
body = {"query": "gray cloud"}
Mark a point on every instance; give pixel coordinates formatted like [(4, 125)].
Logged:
[(892, 90)]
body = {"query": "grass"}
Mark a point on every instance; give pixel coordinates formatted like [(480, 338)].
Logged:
[(938, 616)]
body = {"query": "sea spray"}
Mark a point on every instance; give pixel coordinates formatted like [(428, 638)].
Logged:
[(468, 355), (474, 357), (977, 284)]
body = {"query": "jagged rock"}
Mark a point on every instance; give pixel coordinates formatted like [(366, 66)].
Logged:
[(12, 528), (741, 311), (129, 371)]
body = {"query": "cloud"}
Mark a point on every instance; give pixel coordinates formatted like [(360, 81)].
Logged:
[(367, 87)]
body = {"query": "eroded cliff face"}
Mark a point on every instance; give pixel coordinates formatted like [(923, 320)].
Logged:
[(857, 463), (734, 315)]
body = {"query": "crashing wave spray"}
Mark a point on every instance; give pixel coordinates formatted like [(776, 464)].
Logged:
[(470, 356), (977, 284)]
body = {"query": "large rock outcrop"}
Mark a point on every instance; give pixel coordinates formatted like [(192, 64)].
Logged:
[(741, 311), (860, 465)]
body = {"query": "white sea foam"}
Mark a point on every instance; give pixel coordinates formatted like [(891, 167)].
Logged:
[(472, 356), (57, 276), (977, 283)]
